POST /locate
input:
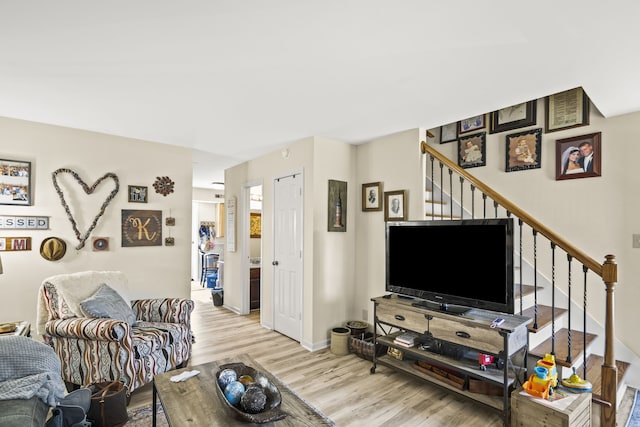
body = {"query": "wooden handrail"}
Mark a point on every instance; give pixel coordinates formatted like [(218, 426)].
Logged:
[(608, 271), (576, 253)]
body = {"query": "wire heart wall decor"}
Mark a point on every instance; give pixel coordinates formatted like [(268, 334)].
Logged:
[(88, 190)]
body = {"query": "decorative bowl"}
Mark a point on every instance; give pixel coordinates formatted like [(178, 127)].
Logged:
[(272, 410)]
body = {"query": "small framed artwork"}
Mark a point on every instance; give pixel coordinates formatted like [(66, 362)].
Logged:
[(255, 225), (471, 124), (395, 205), (524, 150), (578, 156), (141, 228), (513, 117), (137, 194), (472, 150), (15, 182), (566, 110), (371, 193), (337, 206), (448, 133)]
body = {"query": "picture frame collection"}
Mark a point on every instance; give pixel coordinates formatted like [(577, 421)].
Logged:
[(523, 149)]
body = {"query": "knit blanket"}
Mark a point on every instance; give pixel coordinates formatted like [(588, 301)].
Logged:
[(29, 369), (74, 288)]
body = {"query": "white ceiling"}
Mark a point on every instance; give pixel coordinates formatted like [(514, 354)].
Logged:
[(235, 79)]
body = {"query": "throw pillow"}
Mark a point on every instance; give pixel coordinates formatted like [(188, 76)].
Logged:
[(106, 302)]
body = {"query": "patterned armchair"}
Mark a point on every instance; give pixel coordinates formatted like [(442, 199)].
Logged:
[(152, 337)]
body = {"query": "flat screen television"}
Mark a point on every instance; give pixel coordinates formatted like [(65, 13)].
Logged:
[(452, 265)]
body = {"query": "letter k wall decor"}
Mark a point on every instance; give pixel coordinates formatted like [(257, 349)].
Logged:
[(141, 228)]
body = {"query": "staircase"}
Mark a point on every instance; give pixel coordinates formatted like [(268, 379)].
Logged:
[(561, 322)]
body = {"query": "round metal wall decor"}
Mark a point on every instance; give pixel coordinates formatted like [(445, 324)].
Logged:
[(163, 185)]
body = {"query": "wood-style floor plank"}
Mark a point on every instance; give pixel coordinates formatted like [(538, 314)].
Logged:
[(341, 387)]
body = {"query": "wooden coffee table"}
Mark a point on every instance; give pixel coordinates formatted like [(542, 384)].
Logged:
[(195, 402)]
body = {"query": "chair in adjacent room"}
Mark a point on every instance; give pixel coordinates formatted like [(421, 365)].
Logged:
[(209, 266)]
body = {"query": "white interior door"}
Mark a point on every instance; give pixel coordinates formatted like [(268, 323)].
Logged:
[(287, 262)]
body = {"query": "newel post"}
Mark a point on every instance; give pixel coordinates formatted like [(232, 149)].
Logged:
[(609, 368)]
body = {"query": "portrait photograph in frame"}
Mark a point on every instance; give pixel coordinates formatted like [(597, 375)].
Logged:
[(579, 156), (448, 133), (471, 124), (513, 117), (395, 205), (372, 196), (524, 150), (15, 182), (472, 150), (566, 110)]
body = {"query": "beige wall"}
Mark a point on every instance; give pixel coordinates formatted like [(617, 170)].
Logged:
[(151, 271), (596, 214)]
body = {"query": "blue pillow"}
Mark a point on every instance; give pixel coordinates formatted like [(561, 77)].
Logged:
[(106, 302)]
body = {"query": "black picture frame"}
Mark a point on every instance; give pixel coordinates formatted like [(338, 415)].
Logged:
[(472, 150), (566, 145), (15, 182), (513, 117), (449, 133), (137, 194), (524, 150), (566, 110), (472, 124)]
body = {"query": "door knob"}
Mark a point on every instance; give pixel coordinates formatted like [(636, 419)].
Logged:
[(274, 262)]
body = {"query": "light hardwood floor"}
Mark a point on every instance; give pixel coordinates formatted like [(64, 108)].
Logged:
[(341, 387)]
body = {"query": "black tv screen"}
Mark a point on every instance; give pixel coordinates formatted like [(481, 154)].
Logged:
[(452, 265)]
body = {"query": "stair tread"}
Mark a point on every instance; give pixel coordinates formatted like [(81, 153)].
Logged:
[(544, 316), (526, 290), (561, 350), (594, 371), (447, 216)]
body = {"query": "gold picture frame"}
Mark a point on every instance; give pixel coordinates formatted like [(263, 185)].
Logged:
[(395, 205), (255, 225), (372, 196)]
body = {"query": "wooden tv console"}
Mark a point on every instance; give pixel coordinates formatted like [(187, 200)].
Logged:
[(468, 334)]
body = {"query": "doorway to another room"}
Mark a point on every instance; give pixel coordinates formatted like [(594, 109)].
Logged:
[(255, 246)]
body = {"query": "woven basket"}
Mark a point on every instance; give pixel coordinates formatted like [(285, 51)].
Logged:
[(363, 346)]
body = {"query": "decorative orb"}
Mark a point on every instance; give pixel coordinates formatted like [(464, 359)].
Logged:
[(234, 391), (246, 379), (253, 400), (226, 376)]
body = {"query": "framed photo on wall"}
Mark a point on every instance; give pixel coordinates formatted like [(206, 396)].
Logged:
[(448, 133), (15, 182), (513, 117), (395, 205), (566, 110), (471, 124), (472, 150), (578, 156), (372, 196), (524, 150)]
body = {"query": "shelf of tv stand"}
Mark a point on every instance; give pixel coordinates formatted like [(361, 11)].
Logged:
[(394, 315)]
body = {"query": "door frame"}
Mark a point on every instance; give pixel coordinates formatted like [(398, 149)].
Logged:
[(245, 210)]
